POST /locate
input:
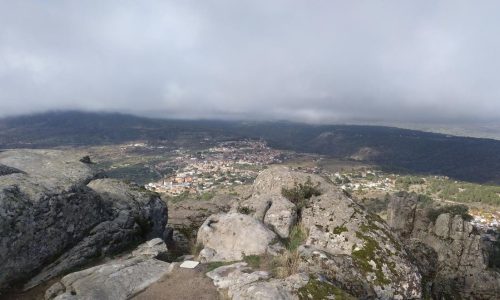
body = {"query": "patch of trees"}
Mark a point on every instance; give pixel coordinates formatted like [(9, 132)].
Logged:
[(453, 210)]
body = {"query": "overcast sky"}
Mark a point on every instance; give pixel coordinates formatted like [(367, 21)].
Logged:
[(313, 61)]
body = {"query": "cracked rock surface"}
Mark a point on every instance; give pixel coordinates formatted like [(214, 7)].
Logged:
[(55, 216), (118, 279), (453, 254)]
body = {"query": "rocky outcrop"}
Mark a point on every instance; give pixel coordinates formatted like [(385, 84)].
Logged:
[(118, 279), (54, 215), (401, 213), (345, 245), (452, 245), (231, 236), (241, 282), (341, 267), (273, 210), (343, 231)]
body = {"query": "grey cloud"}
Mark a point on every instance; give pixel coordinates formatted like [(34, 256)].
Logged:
[(313, 61)]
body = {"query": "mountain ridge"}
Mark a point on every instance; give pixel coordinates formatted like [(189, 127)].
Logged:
[(393, 149)]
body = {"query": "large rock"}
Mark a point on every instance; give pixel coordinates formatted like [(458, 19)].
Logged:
[(235, 276), (272, 180), (51, 221), (401, 213), (231, 236), (461, 267), (274, 210), (116, 280), (343, 231), (241, 282)]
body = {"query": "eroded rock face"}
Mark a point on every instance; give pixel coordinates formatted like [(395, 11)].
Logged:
[(401, 213), (231, 236), (457, 252), (351, 247), (341, 267), (274, 210), (116, 280), (339, 226), (52, 219)]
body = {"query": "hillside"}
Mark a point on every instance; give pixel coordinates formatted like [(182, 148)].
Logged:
[(70, 234), (393, 149)]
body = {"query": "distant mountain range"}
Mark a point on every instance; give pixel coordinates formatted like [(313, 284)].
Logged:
[(394, 149)]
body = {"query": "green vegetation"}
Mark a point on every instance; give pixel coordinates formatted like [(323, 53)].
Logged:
[(300, 193), (322, 290), (341, 180), (216, 264), (465, 192), (405, 181), (138, 173), (447, 189), (253, 261), (287, 263), (298, 235), (424, 200), (181, 197), (463, 158), (339, 229), (206, 196), (453, 210), (245, 210), (366, 254)]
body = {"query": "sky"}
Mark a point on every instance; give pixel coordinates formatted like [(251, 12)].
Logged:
[(308, 61)]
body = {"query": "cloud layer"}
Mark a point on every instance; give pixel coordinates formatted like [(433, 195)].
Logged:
[(313, 61)]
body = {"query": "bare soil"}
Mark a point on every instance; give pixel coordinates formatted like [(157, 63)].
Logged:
[(182, 284)]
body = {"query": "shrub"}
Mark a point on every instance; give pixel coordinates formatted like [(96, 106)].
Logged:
[(300, 193), (424, 200), (298, 235), (453, 210), (245, 210), (253, 261)]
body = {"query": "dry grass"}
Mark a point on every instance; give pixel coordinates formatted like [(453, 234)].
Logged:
[(285, 264)]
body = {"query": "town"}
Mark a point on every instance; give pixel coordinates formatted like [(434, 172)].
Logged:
[(227, 164)]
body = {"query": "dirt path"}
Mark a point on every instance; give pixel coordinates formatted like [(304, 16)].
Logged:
[(181, 284)]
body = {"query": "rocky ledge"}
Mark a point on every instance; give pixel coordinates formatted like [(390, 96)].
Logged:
[(56, 215), (449, 251), (342, 243)]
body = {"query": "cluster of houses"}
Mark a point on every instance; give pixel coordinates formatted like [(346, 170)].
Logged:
[(228, 164)]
